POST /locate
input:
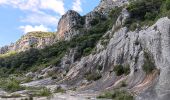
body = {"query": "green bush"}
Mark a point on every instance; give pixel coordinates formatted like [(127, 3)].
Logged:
[(114, 14), (87, 51), (168, 4), (11, 85), (44, 92), (123, 84), (120, 70), (93, 76), (143, 11), (99, 67), (127, 69), (107, 95), (148, 65), (140, 8), (59, 90)]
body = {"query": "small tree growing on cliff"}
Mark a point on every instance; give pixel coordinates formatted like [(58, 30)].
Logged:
[(148, 65)]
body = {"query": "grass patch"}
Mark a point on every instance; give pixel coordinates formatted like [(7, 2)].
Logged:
[(117, 95), (11, 85), (45, 92)]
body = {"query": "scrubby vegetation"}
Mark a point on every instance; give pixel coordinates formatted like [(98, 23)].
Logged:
[(146, 12), (59, 90), (148, 65), (93, 76), (10, 85), (45, 92), (39, 91), (120, 70), (117, 95), (35, 59), (8, 54)]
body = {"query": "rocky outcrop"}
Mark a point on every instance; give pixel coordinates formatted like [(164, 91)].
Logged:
[(127, 47), (69, 25), (92, 19), (106, 5), (30, 40), (72, 23)]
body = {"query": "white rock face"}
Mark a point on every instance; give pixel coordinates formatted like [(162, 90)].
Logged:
[(68, 25), (35, 39), (106, 5), (123, 49)]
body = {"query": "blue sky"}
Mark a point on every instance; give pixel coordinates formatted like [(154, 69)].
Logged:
[(18, 17)]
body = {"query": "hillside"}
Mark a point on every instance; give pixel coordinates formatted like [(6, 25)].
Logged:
[(118, 51), (30, 40)]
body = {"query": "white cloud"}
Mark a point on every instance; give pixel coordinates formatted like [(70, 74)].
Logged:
[(36, 12), (55, 5), (29, 28), (37, 5), (41, 18), (77, 5)]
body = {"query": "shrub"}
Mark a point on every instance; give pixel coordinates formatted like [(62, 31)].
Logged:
[(87, 51), (127, 69), (123, 84), (59, 90), (114, 14), (168, 4), (11, 85), (99, 67), (120, 70), (44, 92), (107, 95), (148, 65), (93, 76), (143, 11), (140, 8)]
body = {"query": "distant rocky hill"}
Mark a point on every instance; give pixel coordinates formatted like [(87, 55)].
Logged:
[(30, 40)]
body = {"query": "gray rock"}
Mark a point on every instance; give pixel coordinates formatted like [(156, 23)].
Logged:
[(69, 25), (106, 5)]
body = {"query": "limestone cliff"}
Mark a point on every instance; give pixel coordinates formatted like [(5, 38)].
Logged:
[(32, 39), (68, 25), (106, 5)]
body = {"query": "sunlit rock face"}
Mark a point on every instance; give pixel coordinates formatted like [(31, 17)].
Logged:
[(30, 40), (106, 5), (69, 25)]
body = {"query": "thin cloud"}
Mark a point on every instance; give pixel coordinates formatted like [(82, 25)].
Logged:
[(41, 18), (77, 6), (56, 6), (36, 12), (29, 28)]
